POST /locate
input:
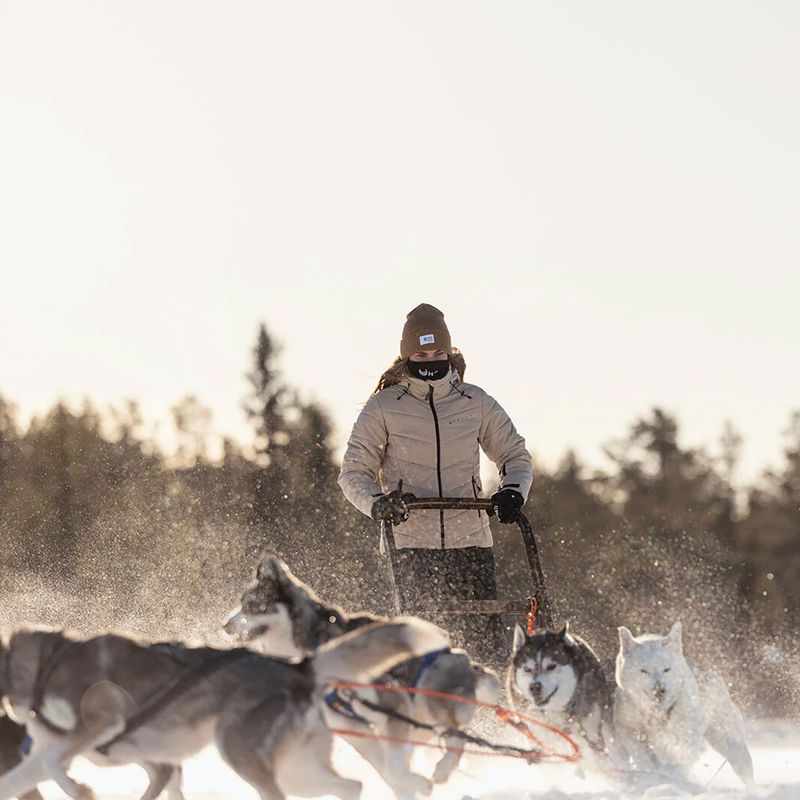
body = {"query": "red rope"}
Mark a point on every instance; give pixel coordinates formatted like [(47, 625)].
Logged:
[(520, 722), (531, 615)]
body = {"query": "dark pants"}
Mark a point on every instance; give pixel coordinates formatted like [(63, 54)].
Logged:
[(433, 577)]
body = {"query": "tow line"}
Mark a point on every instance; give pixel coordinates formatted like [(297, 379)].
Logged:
[(342, 703)]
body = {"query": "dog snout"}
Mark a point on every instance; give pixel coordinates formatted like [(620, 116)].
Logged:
[(659, 691), (536, 687)]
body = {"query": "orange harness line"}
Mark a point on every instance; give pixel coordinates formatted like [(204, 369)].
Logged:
[(519, 721), (531, 615), (435, 745)]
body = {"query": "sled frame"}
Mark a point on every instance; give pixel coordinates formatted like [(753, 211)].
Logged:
[(544, 612)]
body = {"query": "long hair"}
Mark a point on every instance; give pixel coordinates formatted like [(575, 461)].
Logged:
[(398, 370)]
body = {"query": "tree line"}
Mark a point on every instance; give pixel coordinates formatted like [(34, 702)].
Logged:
[(100, 528)]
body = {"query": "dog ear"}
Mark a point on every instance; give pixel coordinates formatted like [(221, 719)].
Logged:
[(626, 640), (674, 639), (565, 635), (519, 638), (270, 568)]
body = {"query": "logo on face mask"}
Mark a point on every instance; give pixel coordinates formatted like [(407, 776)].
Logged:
[(429, 370)]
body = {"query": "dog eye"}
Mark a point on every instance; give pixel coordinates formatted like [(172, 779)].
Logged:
[(644, 671), (667, 669), (527, 668), (551, 667)]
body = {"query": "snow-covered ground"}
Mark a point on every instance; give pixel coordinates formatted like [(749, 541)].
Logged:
[(775, 747)]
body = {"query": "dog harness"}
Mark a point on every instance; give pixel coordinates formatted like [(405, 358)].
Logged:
[(41, 683), (182, 682), (343, 706), (425, 662)]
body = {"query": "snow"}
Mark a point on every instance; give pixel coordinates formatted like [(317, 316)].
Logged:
[(775, 746)]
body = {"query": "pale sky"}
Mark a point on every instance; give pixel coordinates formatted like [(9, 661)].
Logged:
[(603, 197)]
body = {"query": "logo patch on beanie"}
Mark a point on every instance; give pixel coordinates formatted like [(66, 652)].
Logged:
[(426, 339)]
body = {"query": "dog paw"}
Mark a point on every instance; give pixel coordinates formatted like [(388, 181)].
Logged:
[(442, 772), (419, 786), (83, 792)]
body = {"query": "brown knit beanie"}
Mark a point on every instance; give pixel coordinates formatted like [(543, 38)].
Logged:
[(425, 329)]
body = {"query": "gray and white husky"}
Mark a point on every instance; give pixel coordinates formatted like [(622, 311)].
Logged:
[(79, 697), (282, 615), (559, 675), (666, 710)]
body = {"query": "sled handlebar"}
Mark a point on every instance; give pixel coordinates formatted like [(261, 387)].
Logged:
[(466, 503)]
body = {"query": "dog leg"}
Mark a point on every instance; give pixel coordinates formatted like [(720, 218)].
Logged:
[(103, 711), (175, 785), (725, 731), (397, 760), (251, 769), (391, 762), (161, 776), (58, 758), (47, 763), (735, 749), (304, 768), (243, 741), (448, 763), (24, 777)]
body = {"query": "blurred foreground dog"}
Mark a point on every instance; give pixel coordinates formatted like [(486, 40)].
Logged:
[(120, 701), (283, 616), (666, 710)]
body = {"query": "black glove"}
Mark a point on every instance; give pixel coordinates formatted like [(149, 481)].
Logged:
[(392, 507), (506, 505)]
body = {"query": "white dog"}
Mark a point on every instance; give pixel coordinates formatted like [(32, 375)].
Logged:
[(665, 711)]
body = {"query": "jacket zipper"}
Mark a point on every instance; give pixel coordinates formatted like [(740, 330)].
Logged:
[(438, 461)]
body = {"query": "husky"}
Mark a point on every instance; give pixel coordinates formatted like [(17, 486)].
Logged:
[(559, 674), (666, 710), (282, 615), (118, 701)]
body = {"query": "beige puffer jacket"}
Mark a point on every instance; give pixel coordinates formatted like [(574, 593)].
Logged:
[(427, 434)]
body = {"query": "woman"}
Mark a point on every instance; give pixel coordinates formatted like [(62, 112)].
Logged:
[(424, 426)]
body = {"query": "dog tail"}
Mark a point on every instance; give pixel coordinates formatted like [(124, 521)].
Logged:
[(367, 653)]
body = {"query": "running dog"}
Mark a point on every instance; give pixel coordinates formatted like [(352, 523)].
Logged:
[(283, 616), (559, 674), (666, 710), (119, 701)]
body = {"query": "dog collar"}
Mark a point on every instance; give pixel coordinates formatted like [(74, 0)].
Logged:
[(40, 686)]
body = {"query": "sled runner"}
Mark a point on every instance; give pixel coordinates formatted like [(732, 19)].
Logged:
[(538, 596)]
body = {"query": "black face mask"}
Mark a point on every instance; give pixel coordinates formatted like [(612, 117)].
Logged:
[(429, 370)]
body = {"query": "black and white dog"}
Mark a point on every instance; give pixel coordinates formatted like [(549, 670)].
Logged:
[(283, 616), (560, 676)]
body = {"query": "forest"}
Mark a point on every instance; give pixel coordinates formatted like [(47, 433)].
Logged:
[(103, 529)]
